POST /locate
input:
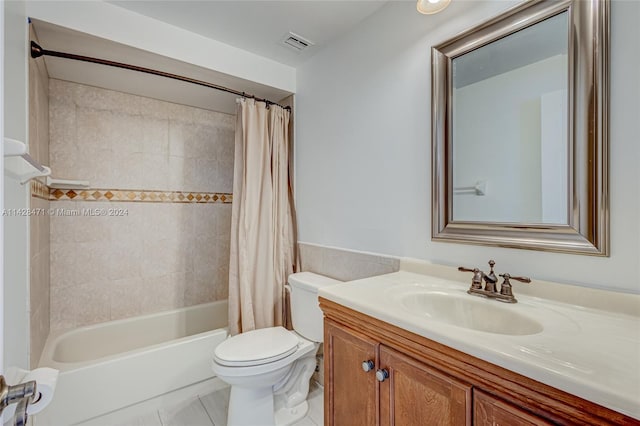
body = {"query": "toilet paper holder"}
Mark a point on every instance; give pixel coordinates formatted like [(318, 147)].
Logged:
[(21, 394)]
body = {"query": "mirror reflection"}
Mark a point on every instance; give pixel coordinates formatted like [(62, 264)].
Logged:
[(510, 142)]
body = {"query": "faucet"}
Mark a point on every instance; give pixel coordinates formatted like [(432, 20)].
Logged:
[(21, 394), (490, 279), (506, 292)]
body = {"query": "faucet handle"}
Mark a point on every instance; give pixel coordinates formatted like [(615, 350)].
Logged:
[(476, 281), (505, 288), (521, 279)]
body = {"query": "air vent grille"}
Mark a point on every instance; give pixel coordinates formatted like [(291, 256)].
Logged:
[(296, 42)]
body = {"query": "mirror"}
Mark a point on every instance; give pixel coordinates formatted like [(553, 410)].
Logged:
[(519, 130), (505, 145)]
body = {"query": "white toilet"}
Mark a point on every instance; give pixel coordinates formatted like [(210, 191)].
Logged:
[(269, 369)]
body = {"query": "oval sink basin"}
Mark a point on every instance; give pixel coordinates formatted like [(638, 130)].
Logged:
[(468, 312)]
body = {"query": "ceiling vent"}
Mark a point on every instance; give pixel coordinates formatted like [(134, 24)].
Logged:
[(296, 42)]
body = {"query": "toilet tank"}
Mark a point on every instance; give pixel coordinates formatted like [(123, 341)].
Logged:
[(306, 315)]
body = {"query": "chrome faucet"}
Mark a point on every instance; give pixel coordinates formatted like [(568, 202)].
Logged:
[(506, 292), (21, 394)]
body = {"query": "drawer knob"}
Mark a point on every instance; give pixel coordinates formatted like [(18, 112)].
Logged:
[(382, 375), (367, 365)]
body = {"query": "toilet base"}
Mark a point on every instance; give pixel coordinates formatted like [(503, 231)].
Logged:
[(258, 412), (288, 416), (261, 412)]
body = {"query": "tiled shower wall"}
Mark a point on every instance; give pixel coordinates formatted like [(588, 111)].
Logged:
[(148, 254), (39, 224)]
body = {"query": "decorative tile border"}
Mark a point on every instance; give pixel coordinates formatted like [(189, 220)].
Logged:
[(40, 190)]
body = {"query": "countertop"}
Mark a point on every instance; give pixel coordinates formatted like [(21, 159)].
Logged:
[(591, 353)]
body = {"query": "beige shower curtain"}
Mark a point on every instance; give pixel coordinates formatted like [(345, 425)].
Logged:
[(262, 231)]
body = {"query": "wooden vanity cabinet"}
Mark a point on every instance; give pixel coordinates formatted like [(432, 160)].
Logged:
[(429, 384), (415, 394), (352, 389), (412, 394), (490, 411)]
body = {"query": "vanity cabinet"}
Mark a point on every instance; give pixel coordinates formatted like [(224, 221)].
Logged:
[(396, 389), (490, 411), (421, 382), (414, 394), (356, 390)]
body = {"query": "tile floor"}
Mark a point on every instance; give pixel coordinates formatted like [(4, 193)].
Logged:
[(211, 410)]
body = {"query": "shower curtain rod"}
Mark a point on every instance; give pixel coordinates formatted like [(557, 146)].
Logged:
[(37, 51)]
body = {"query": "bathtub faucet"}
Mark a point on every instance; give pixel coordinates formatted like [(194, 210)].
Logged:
[(21, 394)]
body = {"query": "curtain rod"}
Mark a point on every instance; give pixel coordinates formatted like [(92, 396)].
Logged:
[(37, 51)]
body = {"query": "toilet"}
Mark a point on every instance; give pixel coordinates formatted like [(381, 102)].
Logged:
[(269, 369)]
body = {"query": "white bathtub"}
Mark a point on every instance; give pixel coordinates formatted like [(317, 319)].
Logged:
[(109, 366)]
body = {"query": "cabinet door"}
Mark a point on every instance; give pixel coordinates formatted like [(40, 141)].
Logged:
[(414, 394), (490, 411), (350, 394)]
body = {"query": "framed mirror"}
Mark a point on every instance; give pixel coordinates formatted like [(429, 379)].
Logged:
[(520, 130)]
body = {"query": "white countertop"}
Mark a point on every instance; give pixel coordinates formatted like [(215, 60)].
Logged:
[(594, 354)]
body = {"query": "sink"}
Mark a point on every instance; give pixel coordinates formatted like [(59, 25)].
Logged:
[(467, 311)]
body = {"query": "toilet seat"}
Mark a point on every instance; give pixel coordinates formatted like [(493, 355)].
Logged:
[(256, 347)]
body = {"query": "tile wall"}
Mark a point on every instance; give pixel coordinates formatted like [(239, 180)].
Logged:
[(39, 307), (344, 265), (152, 231)]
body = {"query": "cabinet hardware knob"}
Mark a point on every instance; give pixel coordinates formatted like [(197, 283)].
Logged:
[(382, 375), (367, 365)]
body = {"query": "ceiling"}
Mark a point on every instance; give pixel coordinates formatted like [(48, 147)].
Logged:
[(260, 26), (56, 38), (255, 26)]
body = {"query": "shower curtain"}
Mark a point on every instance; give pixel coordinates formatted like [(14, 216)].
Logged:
[(262, 225)]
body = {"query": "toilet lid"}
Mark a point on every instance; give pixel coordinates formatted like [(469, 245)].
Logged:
[(256, 347)]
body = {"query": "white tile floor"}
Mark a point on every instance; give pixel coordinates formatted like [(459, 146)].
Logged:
[(211, 410)]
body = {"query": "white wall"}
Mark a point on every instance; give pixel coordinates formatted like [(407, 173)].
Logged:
[(363, 171), (15, 196)]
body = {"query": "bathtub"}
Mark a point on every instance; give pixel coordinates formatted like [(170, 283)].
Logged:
[(109, 366)]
